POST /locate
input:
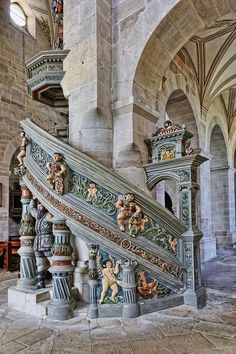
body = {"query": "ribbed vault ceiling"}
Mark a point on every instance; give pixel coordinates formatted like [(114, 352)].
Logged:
[(213, 56)]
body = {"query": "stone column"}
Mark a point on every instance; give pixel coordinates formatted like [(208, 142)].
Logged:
[(87, 79), (93, 282), (130, 308), (221, 200), (231, 239), (195, 293), (61, 305), (208, 242), (130, 152), (27, 231)]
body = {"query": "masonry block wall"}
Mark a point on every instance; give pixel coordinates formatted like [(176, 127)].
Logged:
[(15, 103)]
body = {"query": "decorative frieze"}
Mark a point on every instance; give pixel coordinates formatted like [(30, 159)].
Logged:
[(106, 201), (119, 240)]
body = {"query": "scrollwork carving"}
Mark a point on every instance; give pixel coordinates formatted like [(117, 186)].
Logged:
[(92, 193)]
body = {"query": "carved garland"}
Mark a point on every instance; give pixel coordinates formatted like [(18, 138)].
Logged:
[(176, 271), (105, 200)]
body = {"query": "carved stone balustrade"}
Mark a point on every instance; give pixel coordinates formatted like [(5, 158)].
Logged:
[(45, 73)]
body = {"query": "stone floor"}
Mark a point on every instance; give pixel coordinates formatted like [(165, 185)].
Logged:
[(181, 330)]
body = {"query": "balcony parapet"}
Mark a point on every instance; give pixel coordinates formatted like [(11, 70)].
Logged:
[(45, 73)]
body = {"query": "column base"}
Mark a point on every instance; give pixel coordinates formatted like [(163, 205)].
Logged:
[(60, 309), (92, 311), (26, 283), (224, 239), (130, 310), (208, 248), (195, 298)]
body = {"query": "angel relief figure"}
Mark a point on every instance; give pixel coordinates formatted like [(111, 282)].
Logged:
[(147, 289), (22, 153), (129, 212), (108, 270), (92, 192), (57, 172)]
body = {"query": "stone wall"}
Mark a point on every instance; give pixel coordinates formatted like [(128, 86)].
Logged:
[(15, 103)]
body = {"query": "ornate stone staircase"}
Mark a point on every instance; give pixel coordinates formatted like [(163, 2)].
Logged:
[(94, 220)]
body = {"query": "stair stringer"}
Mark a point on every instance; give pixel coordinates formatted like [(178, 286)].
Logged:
[(90, 236), (88, 167)]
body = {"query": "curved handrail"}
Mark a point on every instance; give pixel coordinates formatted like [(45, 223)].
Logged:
[(94, 224)]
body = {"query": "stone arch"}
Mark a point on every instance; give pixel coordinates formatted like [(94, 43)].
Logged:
[(219, 175), (166, 185), (162, 31), (232, 151), (216, 121), (10, 150), (173, 83), (157, 179), (182, 110)]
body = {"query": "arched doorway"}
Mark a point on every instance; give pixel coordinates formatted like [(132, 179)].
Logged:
[(167, 194), (179, 111), (219, 189)]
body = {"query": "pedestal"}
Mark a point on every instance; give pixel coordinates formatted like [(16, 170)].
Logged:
[(93, 282), (61, 305), (27, 231), (130, 307), (195, 293)]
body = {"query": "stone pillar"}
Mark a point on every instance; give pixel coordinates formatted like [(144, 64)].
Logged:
[(208, 242), (61, 305), (220, 200), (87, 80), (130, 152), (130, 308), (195, 293), (93, 282), (231, 239), (27, 231)]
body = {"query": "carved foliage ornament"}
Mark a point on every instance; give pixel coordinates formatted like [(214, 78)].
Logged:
[(137, 223), (176, 271), (27, 226), (92, 193)]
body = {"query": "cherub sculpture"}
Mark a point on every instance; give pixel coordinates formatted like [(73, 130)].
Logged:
[(22, 153), (108, 270), (173, 244), (128, 208), (146, 289), (57, 171), (92, 192)]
